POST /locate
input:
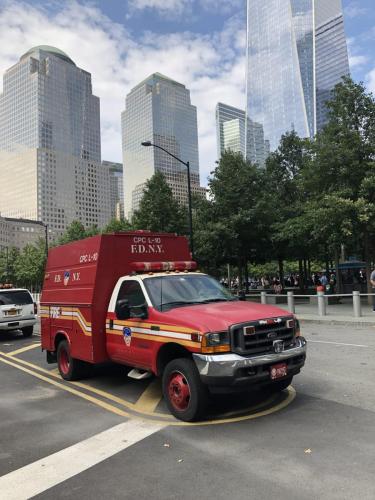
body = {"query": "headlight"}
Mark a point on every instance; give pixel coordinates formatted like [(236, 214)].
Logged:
[(215, 342)]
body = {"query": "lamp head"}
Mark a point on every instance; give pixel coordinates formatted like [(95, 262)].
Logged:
[(146, 143)]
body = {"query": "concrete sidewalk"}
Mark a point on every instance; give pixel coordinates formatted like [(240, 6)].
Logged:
[(336, 314)]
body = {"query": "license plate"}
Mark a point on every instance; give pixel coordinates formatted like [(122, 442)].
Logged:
[(11, 312), (278, 371)]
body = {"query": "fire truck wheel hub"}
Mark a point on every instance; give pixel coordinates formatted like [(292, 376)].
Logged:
[(64, 361), (179, 391)]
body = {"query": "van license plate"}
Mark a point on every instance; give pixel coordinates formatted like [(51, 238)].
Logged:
[(11, 312), (278, 371)]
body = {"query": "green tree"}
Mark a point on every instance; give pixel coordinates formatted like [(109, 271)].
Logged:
[(29, 266), (342, 171), (116, 225), (8, 258), (158, 210), (75, 231)]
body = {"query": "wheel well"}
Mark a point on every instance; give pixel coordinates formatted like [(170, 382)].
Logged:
[(168, 352), (58, 338)]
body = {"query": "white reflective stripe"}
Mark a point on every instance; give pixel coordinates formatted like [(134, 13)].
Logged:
[(77, 315), (157, 333), (161, 333)]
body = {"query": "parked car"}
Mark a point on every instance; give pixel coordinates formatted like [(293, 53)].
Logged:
[(17, 311)]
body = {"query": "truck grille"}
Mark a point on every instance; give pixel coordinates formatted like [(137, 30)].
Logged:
[(257, 337)]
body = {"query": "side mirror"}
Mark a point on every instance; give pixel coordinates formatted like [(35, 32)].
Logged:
[(241, 295), (122, 309), (139, 312)]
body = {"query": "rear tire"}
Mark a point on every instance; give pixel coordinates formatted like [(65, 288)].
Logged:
[(70, 368), (185, 394), (280, 385), (27, 331)]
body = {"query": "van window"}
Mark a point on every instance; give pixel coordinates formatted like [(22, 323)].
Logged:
[(132, 291), (11, 297)]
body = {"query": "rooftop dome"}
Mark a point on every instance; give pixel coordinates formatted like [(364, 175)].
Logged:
[(51, 50)]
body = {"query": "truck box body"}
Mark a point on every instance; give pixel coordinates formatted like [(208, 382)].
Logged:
[(80, 278)]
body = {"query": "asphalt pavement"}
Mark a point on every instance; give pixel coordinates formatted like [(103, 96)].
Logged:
[(97, 440)]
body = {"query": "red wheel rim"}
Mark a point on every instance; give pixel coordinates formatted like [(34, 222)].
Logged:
[(179, 391), (64, 361)]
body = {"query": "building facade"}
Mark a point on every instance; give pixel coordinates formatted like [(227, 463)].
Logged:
[(50, 153), (239, 134), (159, 110), (19, 232), (296, 54), (116, 188)]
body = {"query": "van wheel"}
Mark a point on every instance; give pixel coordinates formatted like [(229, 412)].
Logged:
[(27, 331), (183, 391), (70, 368)]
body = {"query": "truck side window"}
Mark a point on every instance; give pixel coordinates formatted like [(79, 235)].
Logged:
[(131, 290)]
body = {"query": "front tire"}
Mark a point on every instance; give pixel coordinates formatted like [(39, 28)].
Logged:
[(70, 368), (27, 331), (185, 394)]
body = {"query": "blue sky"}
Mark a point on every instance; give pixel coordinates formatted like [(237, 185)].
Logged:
[(200, 43)]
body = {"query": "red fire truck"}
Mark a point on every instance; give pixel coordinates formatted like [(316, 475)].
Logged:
[(138, 299)]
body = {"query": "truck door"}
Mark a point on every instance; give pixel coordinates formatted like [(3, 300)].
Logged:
[(124, 342)]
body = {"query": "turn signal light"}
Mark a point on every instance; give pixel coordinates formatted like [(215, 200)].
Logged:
[(215, 342)]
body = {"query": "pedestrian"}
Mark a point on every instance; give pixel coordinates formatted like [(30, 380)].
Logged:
[(324, 280), (372, 280)]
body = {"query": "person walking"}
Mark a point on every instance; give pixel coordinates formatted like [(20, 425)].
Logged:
[(372, 280)]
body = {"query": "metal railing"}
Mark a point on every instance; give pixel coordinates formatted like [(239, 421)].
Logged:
[(321, 298)]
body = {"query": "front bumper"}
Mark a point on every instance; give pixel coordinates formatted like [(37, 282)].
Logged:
[(16, 324), (235, 371)]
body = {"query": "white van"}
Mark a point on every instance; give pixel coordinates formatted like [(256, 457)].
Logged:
[(17, 311)]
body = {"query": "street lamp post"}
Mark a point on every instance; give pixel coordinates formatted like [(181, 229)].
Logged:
[(187, 165)]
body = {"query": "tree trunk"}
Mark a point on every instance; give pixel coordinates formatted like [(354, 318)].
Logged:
[(240, 274), (281, 272), (305, 271), (368, 267), (338, 274), (246, 277), (301, 279)]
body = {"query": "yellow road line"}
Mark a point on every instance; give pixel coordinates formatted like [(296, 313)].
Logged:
[(131, 406), (24, 349), (150, 398), (55, 373), (66, 388)]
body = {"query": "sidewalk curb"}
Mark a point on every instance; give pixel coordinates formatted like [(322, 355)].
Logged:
[(329, 321)]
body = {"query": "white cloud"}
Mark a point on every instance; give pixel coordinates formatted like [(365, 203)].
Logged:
[(212, 67), (355, 10), (358, 61), (370, 81), (175, 6)]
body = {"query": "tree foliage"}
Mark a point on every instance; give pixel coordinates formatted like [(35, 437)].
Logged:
[(158, 210)]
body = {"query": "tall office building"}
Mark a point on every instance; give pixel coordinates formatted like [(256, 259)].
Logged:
[(296, 54), (233, 134), (50, 143), (116, 188), (159, 110)]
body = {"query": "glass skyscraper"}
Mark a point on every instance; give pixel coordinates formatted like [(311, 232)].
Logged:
[(235, 133), (296, 54), (159, 110), (50, 143)]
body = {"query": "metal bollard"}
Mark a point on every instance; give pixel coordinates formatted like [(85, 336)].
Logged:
[(263, 297), (291, 305), (357, 305), (321, 304)]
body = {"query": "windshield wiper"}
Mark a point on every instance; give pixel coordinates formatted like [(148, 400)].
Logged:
[(217, 300), (178, 303)]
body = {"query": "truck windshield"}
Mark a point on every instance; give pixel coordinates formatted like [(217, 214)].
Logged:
[(167, 292), (11, 297)]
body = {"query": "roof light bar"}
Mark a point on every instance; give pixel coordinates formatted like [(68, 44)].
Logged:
[(164, 266)]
